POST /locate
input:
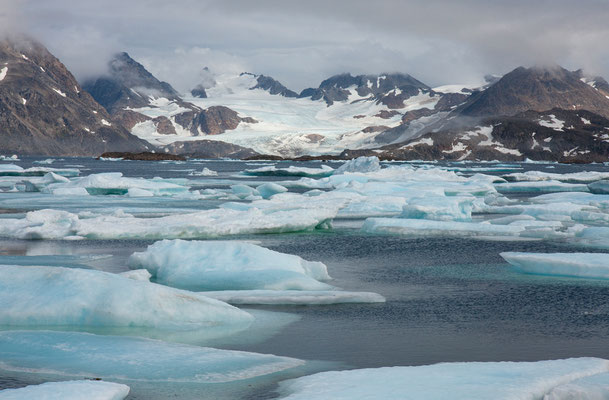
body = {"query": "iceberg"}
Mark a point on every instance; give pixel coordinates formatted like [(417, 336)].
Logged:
[(226, 265), (15, 170), (324, 171), (595, 387), (60, 298), (129, 358), (275, 217), (360, 164), (269, 189), (114, 183), (421, 227), (455, 381), (68, 390), (573, 177), (585, 265), (549, 186), (439, 208), (294, 297)]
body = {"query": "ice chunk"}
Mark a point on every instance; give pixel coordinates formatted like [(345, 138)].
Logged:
[(585, 265), (294, 297), (88, 299), (360, 164), (417, 227), (324, 171), (137, 192), (439, 208), (244, 191), (548, 186), (223, 265), (114, 183), (455, 381), (573, 177), (268, 189), (599, 187), (130, 358), (15, 170), (68, 390), (204, 172), (277, 217)]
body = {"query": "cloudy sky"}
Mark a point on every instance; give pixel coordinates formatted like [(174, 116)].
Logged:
[(303, 42)]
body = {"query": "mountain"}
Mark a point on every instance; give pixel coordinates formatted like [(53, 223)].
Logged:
[(127, 85), (388, 89), (43, 109), (153, 110), (537, 89)]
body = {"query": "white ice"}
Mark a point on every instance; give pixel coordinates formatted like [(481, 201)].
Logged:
[(88, 299), (294, 297), (131, 359), (422, 227), (291, 171), (68, 390), (360, 164), (455, 381), (585, 265), (228, 265)]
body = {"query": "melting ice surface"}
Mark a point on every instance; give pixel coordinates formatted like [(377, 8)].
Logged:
[(68, 390), (456, 381), (60, 298), (128, 358), (585, 265)]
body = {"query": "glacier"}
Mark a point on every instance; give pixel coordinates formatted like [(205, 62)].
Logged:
[(60, 298), (68, 390), (227, 265), (123, 358), (455, 381), (584, 265)]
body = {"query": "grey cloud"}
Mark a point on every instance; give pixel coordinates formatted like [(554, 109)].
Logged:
[(300, 43)]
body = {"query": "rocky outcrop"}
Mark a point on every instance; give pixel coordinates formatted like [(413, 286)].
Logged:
[(209, 149), (211, 121), (273, 87), (44, 111)]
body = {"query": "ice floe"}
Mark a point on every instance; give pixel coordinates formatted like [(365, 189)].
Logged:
[(15, 170), (585, 265), (294, 297), (456, 381), (291, 171), (228, 265), (130, 358), (88, 299), (68, 390)]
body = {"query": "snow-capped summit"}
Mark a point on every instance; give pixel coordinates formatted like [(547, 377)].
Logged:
[(218, 85)]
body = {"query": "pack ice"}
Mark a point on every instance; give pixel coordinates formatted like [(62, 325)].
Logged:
[(458, 381), (68, 390), (228, 265), (274, 218), (129, 358), (585, 265), (89, 299)]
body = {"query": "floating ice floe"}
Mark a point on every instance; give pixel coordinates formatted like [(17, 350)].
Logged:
[(458, 381), (585, 265), (14, 157), (60, 298), (225, 265), (294, 297), (203, 172), (573, 177), (68, 390), (599, 187), (275, 218), (114, 183), (422, 227), (546, 186), (360, 164), (15, 170), (130, 358), (272, 170)]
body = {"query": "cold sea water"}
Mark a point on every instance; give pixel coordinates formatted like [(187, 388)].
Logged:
[(447, 298)]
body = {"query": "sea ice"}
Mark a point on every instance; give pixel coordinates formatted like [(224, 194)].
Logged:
[(228, 265), (594, 387), (294, 297), (62, 297), (455, 381), (573, 177), (421, 227), (15, 170), (130, 358), (360, 164), (291, 171), (439, 208), (269, 189), (276, 217), (68, 390), (585, 265)]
